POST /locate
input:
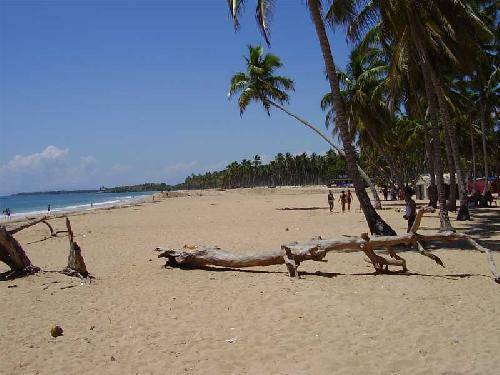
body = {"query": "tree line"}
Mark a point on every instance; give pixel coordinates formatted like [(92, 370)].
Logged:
[(284, 169), (419, 94)]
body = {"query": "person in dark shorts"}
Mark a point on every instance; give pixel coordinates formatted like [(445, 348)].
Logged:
[(410, 207), (385, 192), (342, 200), (330, 200), (349, 199)]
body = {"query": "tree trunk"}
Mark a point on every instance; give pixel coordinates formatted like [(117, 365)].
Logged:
[(433, 197), (12, 254), (485, 151), (376, 224), (473, 149), (463, 212), (428, 146), (452, 196), (445, 224), (363, 174)]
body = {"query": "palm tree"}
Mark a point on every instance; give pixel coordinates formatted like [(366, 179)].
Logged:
[(443, 33), (264, 8), (259, 84)]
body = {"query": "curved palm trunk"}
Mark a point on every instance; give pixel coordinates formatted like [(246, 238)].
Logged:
[(473, 149), (452, 197), (433, 198), (445, 224), (485, 151), (428, 148), (363, 174), (463, 212), (376, 224)]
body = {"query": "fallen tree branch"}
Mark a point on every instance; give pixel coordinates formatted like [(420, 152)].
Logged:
[(293, 254), (30, 224)]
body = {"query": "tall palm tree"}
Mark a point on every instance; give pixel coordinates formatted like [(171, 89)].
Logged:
[(260, 84), (443, 33), (264, 8)]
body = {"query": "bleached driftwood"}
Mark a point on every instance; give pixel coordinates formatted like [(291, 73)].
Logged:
[(316, 249), (76, 265), (12, 254)]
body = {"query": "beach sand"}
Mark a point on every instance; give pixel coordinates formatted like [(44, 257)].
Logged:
[(140, 318)]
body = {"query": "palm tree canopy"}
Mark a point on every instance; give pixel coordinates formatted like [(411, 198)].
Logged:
[(259, 82)]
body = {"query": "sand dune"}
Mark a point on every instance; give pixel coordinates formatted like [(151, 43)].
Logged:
[(139, 318)]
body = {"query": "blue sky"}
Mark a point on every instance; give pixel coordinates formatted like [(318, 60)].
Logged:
[(102, 92)]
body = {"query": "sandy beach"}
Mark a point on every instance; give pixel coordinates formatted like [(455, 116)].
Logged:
[(137, 317)]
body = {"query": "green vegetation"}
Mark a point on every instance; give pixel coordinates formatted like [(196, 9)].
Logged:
[(420, 93), (149, 186), (285, 169)]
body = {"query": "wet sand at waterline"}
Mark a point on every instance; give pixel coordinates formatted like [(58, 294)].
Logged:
[(339, 318)]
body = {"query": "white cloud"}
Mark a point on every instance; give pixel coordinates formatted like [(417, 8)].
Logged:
[(33, 161)]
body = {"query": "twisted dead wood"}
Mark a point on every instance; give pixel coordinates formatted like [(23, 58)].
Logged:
[(293, 254), (13, 254), (76, 265)]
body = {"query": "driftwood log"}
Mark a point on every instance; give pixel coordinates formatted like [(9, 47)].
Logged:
[(13, 254), (294, 253)]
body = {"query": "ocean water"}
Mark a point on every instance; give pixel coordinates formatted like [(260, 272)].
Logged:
[(32, 204)]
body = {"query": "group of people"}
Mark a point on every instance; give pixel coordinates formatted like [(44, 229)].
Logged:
[(477, 199), (344, 199), (410, 205), (393, 194), (7, 212)]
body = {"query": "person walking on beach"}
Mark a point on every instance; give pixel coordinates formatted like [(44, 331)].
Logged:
[(342, 200), (349, 200), (48, 208), (385, 192), (410, 207), (330, 200)]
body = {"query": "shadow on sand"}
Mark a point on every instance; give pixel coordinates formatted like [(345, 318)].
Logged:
[(331, 275)]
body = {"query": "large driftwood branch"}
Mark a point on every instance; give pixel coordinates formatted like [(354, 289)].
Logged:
[(12, 254), (29, 224), (317, 248)]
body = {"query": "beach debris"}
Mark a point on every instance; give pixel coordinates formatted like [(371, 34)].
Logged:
[(293, 254), (455, 339), (92, 328), (56, 331), (113, 359), (12, 286), (12, 253), (231, 340), (76, 265)]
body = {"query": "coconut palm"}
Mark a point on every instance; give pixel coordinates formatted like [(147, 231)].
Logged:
[(260, 84), (435, 31), (264, 9)]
